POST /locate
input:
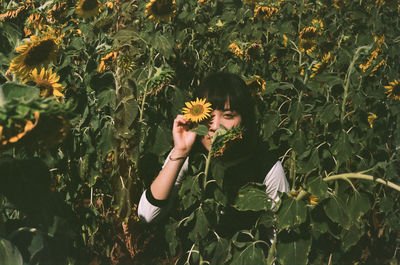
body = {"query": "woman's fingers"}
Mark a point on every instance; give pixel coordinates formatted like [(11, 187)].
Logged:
[(181, 120)]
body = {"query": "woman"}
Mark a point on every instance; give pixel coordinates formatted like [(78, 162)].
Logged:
[(232, 106)]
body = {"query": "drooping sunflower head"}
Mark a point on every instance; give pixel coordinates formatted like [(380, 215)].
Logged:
[(308, 33), (47, 81), (57, 12), (223, 140), (307, 46), (107, 61), (161, 10), (253, 51), (88, 8), (257, 84), (393, 90), (264, 12), (197, 110), (36, 52)]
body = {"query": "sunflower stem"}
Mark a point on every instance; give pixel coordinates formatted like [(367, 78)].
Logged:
[(362, 176), (2, 100), (207, 164), (347, 78)]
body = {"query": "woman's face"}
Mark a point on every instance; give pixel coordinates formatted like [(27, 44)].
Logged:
[(226, 117)]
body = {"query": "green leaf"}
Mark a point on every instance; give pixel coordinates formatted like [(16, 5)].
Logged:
[(351, 237), (9, 253), (342, 149), (126, 113), (358, 205), (164, 43), (13, 91), (170, 233), (336, 209), (291, 212), (252, 197), (218, 251), (105, 143), (317, 187), (201, 226), (162, 142), (293, 248), (36, 245), (329, 113), (297, 110), (200, 130), (106, 98), (270, 125), (251, 254)]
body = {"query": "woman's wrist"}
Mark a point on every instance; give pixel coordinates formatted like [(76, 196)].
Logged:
[(177, 154)]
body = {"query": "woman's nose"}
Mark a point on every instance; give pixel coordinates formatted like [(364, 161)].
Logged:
[(214, 123)]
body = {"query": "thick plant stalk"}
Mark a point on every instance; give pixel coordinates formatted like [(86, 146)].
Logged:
[(363, 176), (347, 78)]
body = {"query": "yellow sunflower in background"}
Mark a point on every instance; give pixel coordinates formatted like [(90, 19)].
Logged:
[(235, 49), (264, 12), (47, 81), (198, 110), (393, 90), (88, 8), (34, 53), (371, 119), (161, 10)]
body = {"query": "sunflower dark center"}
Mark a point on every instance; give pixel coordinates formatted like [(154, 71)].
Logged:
[(39, 54), (197, 110), (307, 45), (162, 7), (309, 33), (89, 5)]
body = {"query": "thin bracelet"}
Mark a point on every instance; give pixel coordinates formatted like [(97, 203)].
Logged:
[(177, 158)]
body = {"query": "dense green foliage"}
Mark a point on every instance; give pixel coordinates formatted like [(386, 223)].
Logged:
[(325, 76)]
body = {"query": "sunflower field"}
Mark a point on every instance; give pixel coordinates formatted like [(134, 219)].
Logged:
[(88, 93)]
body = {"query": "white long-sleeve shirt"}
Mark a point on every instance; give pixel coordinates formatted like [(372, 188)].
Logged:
[(275, 181)]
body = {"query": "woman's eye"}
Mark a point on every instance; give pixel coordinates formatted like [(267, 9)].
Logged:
[(228, 116)]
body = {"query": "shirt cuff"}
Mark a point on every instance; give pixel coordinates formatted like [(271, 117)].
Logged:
[(154, 201)]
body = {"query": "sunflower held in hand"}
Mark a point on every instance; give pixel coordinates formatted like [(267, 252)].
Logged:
[(198, 110)]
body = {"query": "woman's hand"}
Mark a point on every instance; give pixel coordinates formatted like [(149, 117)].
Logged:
[(183, 137)]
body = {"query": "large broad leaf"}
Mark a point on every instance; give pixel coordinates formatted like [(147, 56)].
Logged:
[(164, 43), (342, 148), (105, 143), (291, 213), (329, 113), (250, 255), (9, 253), (170, 233), (126, 113), (293, 248), (252, 197), (351, 237), (270, 124), (163, 140), (358, 205), (336, 209), (106, 98), (22, 93), (201, 226), (218, 251), (318, 187)]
